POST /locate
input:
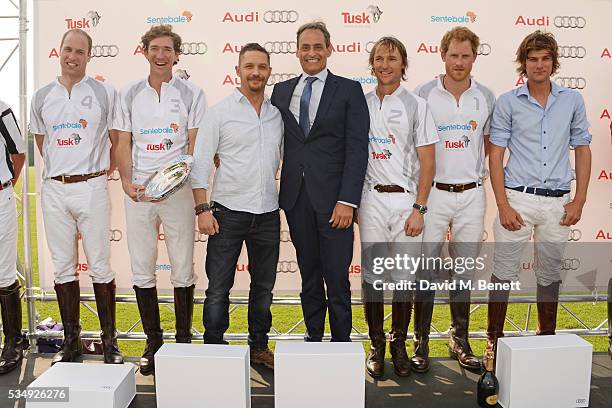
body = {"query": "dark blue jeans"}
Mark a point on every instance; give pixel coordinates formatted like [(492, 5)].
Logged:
[(261, 232)]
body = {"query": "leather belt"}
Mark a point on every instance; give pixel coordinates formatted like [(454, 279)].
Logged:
[(456, 188), (540, 191), (6, 184), (389, 188), (78, 178)]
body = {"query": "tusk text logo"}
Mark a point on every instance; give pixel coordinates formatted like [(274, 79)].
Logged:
[(92, 19), (371, 15)]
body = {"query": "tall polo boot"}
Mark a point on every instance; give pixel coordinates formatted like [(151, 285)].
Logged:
[(496, 316), (374, 310), (105, 302), (547, 300), (458, 345), (401, 310), (610, 318), (183, 311), (14, 345), (423, 311), (149, 315), (68, 298)]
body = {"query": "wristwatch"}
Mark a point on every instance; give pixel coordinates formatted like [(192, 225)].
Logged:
[(422, 208), (201, 208)]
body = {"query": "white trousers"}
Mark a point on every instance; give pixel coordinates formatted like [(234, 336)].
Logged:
[(542, 216), (8, 238), (72, 208), (176, 215), (382, 217)]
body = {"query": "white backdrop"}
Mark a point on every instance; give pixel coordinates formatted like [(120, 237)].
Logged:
[(214, 31)]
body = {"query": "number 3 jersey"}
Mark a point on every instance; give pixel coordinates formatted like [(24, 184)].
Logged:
[(75, 126), (158, 123)]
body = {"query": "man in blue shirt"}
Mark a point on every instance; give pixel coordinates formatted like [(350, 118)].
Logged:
[(537, 123)]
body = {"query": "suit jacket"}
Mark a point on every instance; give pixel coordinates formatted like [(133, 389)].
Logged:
[(332, 159)]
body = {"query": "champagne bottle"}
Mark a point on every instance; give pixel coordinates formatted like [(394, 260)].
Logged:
[(488, 385)]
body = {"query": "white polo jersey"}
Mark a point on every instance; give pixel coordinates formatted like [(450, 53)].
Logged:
[(75, 126), (11, 142), (158, 123), (398, 125), (460, 157)]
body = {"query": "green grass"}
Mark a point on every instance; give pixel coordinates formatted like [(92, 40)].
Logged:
[(284, 317)]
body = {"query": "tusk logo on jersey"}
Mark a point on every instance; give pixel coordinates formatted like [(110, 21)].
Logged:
[(385, 155), (165, 145), (460, 144), (71, 141)]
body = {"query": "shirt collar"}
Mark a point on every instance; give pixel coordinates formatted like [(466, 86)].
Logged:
[(239, 96), (164, 84), (85, 78), (473, 83), (555, 89), (321, 76)]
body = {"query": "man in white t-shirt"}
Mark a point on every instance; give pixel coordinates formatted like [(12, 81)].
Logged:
[(71, 118), (394, 200), (462, 109), (158, 119), (11, 163)]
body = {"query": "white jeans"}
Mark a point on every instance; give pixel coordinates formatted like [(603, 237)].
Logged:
[(541, 216), (8, 238), (382, 217), (143, 221), (464, 213), (72, 208)]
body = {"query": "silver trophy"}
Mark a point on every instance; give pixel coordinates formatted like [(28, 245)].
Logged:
[(168, 179)]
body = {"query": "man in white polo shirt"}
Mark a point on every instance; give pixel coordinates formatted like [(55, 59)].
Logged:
[(12, 153), (158, 119), (462, 109), (71, 118)]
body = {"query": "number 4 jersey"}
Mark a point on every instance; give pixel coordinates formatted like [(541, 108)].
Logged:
[(75, 126)]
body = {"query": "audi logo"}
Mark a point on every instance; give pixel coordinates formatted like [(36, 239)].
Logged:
[(104, 51), (484, 49), (276, 78), (287, 267), (570, 264), (368, 46), (571, 82), (572, 51), (281, 47), (569, 22), (199, 237), (281, 16), (114, 176), (194, 48), (116, 235), (575, 235), (285, 236)]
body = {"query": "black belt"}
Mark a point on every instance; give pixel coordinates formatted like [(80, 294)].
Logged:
[(540, 191), (6, 184), (456, 188), (389, 188)]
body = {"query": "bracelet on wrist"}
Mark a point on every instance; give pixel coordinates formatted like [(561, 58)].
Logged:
[(202, 208)]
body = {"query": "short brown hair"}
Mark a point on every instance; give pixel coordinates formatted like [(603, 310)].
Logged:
[(315, 25), (460, 34), (391, 43), (162, 30), (253, 47), (81, 32), (537, 41)]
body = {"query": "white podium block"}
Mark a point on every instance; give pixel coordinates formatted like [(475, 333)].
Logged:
[(319, 375), (203, 376), (544, 371), (89, 385)]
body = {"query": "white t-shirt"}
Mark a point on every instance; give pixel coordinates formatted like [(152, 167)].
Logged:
[(460, 157), (398, 125), (158, 123), (11, 142), (75, 126)]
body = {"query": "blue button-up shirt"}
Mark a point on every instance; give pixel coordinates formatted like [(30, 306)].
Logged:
[(539, 138)]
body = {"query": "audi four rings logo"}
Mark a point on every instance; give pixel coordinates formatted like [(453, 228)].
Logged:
[(194, 48), (575, 235), (281, 16), (285, 236), (104, 51), (570, 264), (571, 82), (569, 22), (116, 235), (287, 267), (281, 47), (276, 78), (572, 51), (484, 49)]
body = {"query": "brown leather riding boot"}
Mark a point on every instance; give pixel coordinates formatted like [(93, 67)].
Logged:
[(68, 298), (547, 302), (401, 309), (105, 303), (496, 316), (458, 345), (374, 311), (14, 344), (183, 312), (149, 315), (423, 312)]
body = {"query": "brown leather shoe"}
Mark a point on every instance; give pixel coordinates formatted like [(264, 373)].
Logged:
[(149, 315), (105, 303), (14, 343), (423, 311), (68, 299), (458, 345), (547, 302), (496, 316), (401, 309), (263, 356), (374, 311)]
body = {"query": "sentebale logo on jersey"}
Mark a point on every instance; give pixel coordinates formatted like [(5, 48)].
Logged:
[(173, 128), (454, 126), (69, 125), (184, 17)]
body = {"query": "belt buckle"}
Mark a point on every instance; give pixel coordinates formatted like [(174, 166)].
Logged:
[(63, 179), (377, 187), (451, 188)]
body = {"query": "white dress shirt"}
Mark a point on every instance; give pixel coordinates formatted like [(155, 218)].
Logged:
[(249, 148), (315, 96)]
